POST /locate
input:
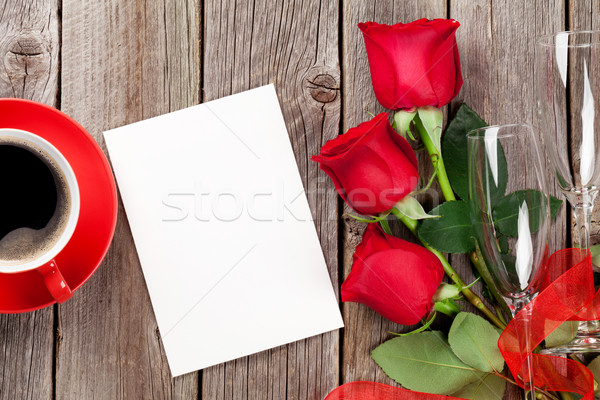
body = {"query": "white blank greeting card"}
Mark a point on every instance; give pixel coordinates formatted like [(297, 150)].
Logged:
[(223, 230)]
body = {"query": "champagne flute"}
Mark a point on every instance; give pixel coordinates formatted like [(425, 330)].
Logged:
[(510, 214), (568, 89)]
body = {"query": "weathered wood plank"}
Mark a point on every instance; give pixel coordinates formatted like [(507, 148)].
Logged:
[(29, 68), (26, 355), (129, 61), (497, 41), (585, 15), (293, 44), (364, 328), (498, 66), (122, 62)]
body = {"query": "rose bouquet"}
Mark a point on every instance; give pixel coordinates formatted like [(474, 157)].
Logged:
[(415, 70)]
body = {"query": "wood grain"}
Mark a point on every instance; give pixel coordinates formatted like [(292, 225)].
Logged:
[(122, 62), (127, 61), (30, 48), (585, 15), (364, 328), (498, 67), (29, 68), (293, 44), (497, 54)]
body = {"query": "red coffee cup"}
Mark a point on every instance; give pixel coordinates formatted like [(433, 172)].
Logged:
[(41, 253)]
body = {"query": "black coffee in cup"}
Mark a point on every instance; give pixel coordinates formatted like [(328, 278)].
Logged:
[(34, 202)]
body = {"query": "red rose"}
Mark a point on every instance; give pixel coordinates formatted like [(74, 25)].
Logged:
[(394, 277), (371, 166), (415, 64)]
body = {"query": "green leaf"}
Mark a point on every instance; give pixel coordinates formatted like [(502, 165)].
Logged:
[(425, 363), (475, 342), (594, 366), (506, 211), (402, 120), (555, 204), (595, 251), (563, 334), (447, 306), (453, 232), (490, 387), (411, 208), (369, 219), (454, 148), (432, 120), (446, 291)]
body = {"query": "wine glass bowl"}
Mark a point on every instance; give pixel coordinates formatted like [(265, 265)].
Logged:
[(509, 208), (568, 99), (568, 72)]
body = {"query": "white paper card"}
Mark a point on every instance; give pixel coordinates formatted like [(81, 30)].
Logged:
[(223, 230)]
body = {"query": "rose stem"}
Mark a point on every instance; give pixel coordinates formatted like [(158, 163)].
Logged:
[(436, 160), (411, 224), (539, 390), (499, 313), (442, 177), (480, 266), (438, 164)]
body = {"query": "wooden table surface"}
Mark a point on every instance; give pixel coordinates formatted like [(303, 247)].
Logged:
[(108, 63)]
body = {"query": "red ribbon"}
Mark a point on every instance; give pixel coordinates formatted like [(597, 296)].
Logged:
[(565, 296), (379, 391)]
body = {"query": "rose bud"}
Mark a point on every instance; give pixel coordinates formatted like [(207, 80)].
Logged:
[(371, 166), (394, 277), (415, 64)]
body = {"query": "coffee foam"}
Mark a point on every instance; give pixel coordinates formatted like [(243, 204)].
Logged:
[(25, 244)]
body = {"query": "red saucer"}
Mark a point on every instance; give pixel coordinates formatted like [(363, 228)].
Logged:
[(26, 291)]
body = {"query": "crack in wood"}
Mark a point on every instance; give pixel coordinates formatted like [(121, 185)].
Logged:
[(323, 88), (18, 53)]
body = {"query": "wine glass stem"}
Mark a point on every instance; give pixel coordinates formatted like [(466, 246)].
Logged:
[(518, 305), (583, 204), (582, 212)]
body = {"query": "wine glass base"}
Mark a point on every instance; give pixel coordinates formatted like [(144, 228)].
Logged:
[(579, 345)]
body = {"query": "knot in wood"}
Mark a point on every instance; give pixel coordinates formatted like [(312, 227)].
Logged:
[(26, 54), (323, 88)]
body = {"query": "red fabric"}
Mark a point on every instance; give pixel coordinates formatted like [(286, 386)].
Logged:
[(559, 301), (378, 391), (565, 296), (394, 277), (371, 166), (415, 64)]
